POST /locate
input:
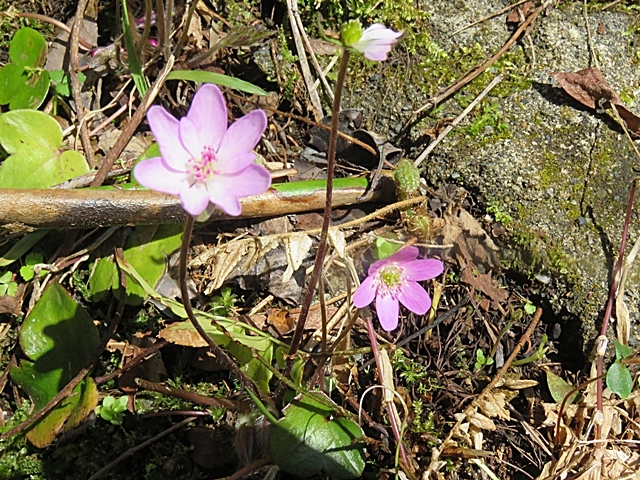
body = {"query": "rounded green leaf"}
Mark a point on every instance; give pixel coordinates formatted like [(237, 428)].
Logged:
[(32, 93), (28, 48), (619, 380), (10, 80), (311, 440), (33, 140), (559, 389)]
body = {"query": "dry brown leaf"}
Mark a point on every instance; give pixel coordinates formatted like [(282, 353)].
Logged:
[(484, 283), (493, 404), (590, 88), (520, 13), (297, 247)]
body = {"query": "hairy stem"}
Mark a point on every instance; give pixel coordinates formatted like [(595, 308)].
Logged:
[(322, 246)]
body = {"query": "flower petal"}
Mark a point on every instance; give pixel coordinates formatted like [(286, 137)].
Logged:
[(365, 293), (241, 137), (227, 203), (194, 199), (388, 309), (377, 31), (423, 269), (166, 131), (156, 175), (189, 137), (405, 254), (415, 298), (208, 112), (253, 180), (376, 42)]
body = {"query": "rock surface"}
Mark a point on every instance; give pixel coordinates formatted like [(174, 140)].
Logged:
[(557, 173)]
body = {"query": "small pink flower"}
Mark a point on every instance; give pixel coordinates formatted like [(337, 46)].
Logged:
[(376, 42), (395, 279), (203, 161)]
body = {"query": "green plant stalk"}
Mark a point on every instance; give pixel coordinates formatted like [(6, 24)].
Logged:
[(322, 246), (134, 62)]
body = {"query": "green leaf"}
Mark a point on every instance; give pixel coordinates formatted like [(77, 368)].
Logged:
[(26, 271), (28, 48), (529, 308), (622, 351), (22, 246), (59, 338), (22, 89), (384, 248), (5, 278), (33, 139), (560, 389), (147, 250), (619, 380), (216, 78), (311, 440), (142, 85), (102, 278), (12, 289)]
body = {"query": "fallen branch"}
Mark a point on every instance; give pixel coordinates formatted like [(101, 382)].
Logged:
[(57, 208)]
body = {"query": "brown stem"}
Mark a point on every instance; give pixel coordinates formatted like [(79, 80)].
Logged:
[(188, 396), (322, 246), (141, 357)]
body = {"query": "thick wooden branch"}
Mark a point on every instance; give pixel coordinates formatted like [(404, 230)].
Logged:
[(57, 208)]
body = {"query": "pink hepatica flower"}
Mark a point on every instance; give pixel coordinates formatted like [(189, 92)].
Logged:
[(395, 279), (376, 42), (203, 161)]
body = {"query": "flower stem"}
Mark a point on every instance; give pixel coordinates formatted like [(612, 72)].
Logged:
[(390, 410), (182, 280), (322, 245)]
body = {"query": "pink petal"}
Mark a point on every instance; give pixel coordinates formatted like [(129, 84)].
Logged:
[(156, 175), (388, 309), (365, 293), (377, 31), (194, 199), (377, 53), (423, 269), (227, 203), (165, 129), (253, 180), (405, 254), (241, 137), (208, 112), (415, 298), (190, 138)]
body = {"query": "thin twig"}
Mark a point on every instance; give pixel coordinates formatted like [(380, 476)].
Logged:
[(490, 16), (458, 119), (74, 67), (500, 374), (127, 133), (133, 450), (141, 357), (304, 65), (52, 21)]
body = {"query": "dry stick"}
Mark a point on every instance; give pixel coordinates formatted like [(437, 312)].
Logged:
[(52, 21), (74, 67), (68, 388), (307, 44), (5, 375), (141, 357), (489, 17), (304, 65), (501, 373), (184, 291), (322, 245), (125, 136), (439, 97), (188, 396), (133, 450), (300, 118), (458, 119), (593, 58), (249, 468)]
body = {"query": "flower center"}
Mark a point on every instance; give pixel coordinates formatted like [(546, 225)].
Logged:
[(199, 170), (391, 279)]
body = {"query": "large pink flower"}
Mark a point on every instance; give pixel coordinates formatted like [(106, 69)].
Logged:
[(203, 161), (395, 279), (376, 42)]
